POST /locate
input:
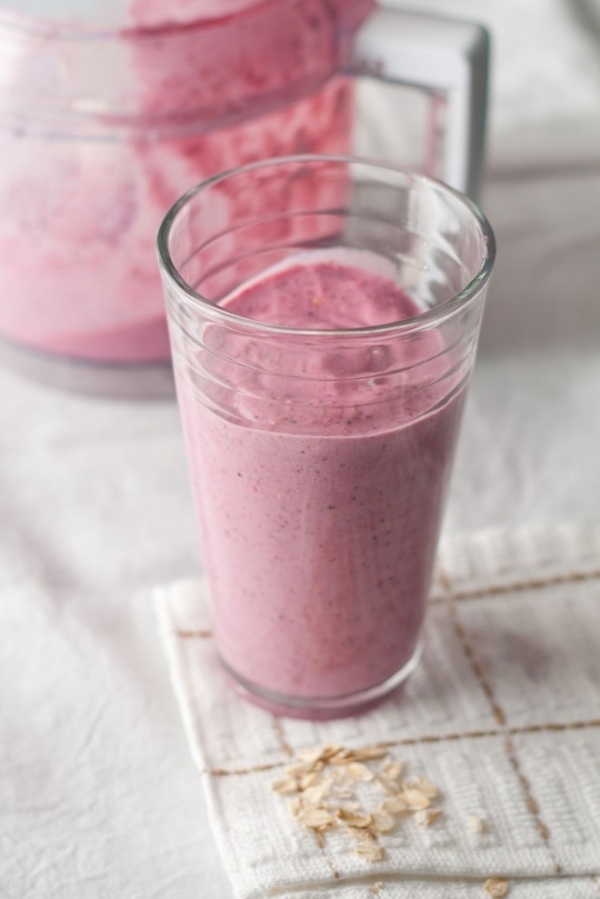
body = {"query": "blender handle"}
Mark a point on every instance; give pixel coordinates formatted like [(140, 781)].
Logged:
[(443, 56)]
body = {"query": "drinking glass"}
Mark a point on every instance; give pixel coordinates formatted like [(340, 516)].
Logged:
[(320, 459)]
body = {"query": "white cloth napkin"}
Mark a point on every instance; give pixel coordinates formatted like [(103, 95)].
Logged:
[(503, 715)]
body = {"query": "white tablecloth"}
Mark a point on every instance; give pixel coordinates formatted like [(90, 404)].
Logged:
[(98, 794)]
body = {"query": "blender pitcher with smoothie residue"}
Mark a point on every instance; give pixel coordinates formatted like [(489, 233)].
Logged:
[(108, 115)]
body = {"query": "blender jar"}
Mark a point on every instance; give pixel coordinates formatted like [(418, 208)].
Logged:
[(107, 117)]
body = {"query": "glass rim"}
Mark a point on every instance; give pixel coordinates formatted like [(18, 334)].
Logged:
[(430, 318)]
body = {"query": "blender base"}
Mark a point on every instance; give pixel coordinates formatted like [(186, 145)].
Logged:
[(114, 380)]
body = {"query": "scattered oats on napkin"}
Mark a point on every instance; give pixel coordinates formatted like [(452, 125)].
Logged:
[(482, 778)]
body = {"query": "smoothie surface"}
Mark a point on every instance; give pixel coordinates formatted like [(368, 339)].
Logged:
[(323, 295)]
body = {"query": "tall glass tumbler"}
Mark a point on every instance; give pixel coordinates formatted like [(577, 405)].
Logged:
[(320, 458)]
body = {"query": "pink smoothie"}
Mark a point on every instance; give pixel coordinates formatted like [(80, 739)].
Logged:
[(79, 215), (320, 496)]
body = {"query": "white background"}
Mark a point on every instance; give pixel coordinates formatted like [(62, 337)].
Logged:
[(98, 796)]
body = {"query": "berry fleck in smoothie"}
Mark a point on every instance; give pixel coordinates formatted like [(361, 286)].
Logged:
[(320, 490)]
